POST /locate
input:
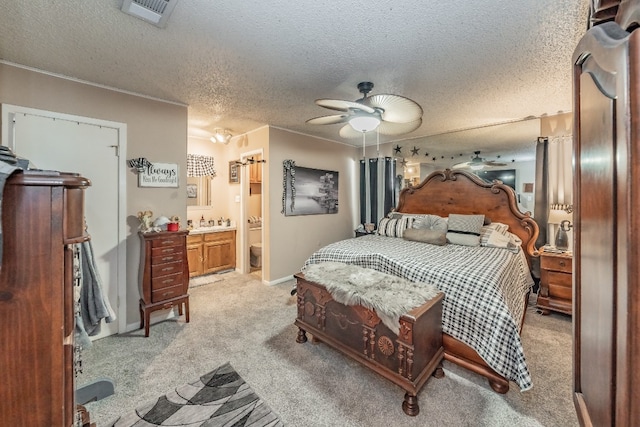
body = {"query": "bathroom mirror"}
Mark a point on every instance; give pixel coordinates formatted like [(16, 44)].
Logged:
[(198, 191)]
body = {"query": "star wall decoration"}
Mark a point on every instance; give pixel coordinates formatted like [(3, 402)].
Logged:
[(414, 151), (397, 149), (403, 162)]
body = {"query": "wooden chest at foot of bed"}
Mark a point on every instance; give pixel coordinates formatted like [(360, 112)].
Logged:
[(407, 359)]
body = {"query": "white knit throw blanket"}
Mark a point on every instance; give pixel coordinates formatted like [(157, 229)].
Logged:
[(389, 296)]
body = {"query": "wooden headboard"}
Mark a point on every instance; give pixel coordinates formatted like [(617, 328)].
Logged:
[(459, 192)]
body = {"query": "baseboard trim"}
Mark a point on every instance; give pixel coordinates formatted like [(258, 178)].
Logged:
[(278, 281)]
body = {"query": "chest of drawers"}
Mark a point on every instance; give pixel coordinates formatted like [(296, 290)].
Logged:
[(555, 283), (164, 274)]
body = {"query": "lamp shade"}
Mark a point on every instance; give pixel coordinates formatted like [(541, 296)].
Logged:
[(556, 216)]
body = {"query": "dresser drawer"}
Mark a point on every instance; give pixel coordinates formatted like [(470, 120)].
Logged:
[(166, 293), (559, 285), (167, 241), (166, 281), (164, 258), (194, 239), (165, 269), (156, 252), (556, 263), (219, 235)]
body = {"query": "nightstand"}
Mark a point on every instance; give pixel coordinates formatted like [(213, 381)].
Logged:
[(556, 290)]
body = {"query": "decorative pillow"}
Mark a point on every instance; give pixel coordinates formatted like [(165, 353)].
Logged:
[(464, 229), (487, 230), (394, 227), (507, 241), (434, 237), (430, 222)]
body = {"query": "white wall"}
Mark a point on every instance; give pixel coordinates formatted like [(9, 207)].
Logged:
[(292, 239)]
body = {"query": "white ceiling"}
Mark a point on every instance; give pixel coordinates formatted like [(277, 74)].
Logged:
[(243, 64)]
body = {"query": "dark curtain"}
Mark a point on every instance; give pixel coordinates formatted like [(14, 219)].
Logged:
[(541, 210), (378, 194)]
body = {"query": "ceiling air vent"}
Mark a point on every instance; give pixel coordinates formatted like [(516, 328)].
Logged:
[(155, 12)]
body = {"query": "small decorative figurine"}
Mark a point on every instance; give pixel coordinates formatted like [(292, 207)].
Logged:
[(146, 222)]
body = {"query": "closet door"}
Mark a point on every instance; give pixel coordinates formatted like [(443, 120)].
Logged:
[(607, 230)]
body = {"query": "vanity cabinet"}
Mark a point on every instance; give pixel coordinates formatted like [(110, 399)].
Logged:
[(211, 252)]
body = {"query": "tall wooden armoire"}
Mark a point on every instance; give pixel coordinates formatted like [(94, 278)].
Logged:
[(607, 226), (42, 225)]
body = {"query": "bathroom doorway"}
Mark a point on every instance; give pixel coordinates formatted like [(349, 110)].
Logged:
[(252, 213)]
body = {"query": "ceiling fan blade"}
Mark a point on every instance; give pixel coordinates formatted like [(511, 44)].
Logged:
[(463, 165), (397, 109), (329, 120), (390, 128), (341, 105), (494, 163), (347, 131)]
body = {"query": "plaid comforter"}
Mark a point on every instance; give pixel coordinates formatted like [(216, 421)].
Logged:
[(484, 290)]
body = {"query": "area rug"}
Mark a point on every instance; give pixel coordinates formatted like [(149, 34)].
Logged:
[(219, 398)]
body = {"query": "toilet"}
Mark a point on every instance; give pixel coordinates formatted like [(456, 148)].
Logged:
[(255, 253)]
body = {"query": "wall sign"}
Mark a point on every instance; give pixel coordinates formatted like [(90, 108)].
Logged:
[(159, 175)]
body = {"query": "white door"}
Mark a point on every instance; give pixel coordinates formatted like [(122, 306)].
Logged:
[(92, 151)]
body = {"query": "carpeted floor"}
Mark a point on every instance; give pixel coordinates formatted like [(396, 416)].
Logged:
[(241, 321)]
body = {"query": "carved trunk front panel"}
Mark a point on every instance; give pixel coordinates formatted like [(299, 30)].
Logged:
[(407, 358)]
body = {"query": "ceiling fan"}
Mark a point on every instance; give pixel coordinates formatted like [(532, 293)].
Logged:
[(388, 114), (477, 162)]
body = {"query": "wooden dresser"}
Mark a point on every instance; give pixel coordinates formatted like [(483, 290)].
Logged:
[(42, 226), (606, 201), (555, 283), (164, 274)]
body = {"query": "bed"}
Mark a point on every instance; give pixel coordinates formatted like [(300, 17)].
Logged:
[(485, 302)]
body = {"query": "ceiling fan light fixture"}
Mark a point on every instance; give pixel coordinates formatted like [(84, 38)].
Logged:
[(364, 123)]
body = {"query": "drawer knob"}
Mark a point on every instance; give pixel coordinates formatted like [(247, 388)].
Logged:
[(562, 264)]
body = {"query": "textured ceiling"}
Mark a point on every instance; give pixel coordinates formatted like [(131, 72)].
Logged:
[(244, 64)]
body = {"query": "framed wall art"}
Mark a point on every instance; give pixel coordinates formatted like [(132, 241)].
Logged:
[(234, 172), (309, 191)]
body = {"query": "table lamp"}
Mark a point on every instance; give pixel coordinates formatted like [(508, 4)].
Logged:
[(563, 219)]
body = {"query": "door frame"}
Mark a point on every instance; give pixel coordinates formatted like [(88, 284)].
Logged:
[(8, 137), (244, 207)]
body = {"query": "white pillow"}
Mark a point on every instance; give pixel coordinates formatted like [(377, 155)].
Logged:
[(487, 230), (507, 241), (464, 229)]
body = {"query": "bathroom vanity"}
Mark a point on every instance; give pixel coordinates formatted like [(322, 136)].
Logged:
[(211, 249)]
